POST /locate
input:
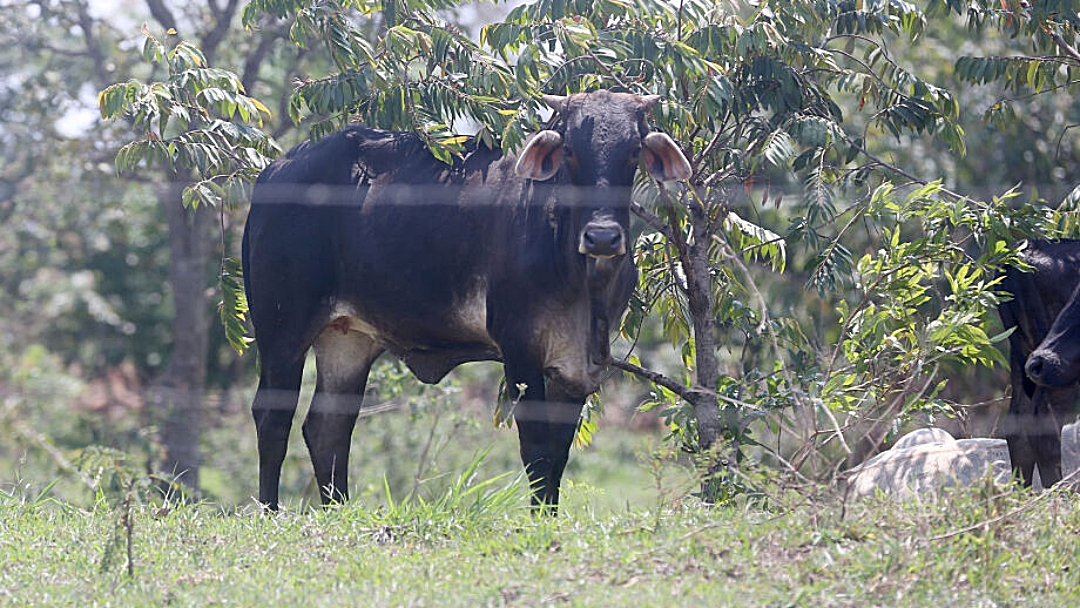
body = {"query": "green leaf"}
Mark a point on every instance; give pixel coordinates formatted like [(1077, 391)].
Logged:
[(233, 308)]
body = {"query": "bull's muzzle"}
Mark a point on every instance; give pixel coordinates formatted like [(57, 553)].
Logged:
[(602, 238), (1046, 368)]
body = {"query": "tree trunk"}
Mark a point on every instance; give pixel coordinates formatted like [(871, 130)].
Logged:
[(700, 298), (694, 260), (178, 394)]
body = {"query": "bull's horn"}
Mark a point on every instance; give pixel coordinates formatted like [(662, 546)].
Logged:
[(555, 102)]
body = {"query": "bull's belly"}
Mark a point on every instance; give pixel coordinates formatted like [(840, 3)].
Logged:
[(434, 340), (406, 333), (431, 344)]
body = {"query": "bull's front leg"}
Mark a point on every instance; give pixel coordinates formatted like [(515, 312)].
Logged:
[(547, 420), (1020, 415), (1044, 431)]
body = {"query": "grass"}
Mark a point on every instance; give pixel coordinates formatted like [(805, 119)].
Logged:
[(477, 545), (439, 518), (422, 445)]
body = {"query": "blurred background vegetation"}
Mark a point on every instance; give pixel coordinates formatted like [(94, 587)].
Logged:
[(109, 286)]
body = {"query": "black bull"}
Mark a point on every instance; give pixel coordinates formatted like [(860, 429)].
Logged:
[(1044, 355), (365, 243)]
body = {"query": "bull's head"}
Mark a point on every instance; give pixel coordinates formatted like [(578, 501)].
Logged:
[(604, 137), (1056, 361)]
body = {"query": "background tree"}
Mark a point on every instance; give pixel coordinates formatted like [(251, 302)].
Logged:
[(81, 276), (114, 308)]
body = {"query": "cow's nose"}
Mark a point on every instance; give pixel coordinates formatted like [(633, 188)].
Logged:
[(1036, 367), (602, 241)]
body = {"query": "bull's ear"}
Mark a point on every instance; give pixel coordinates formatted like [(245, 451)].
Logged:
[(663, 159), (541, 158)]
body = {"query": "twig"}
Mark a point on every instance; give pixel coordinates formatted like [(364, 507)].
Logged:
[(58, 456), (730, 256), (422, 466), (128, 521), (374, 410), (897, 170)]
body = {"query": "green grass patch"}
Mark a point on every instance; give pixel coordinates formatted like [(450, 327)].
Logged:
[(476, 544)]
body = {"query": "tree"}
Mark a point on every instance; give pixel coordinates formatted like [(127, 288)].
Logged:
[(117, 301), (185, 133)]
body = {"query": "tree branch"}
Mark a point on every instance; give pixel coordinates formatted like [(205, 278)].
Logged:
[(93, 48), (684, 392), (222, 23), (677, 237), (897, 170), (255, 58), (651, 219), (655, 377), (1064, 46)]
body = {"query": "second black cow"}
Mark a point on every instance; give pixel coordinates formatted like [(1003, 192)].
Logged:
[(1044, 395), (364, 243)]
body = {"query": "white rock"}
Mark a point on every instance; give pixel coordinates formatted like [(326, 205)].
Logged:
[(1070, 448), (924, 468), (928, 459), (923, 436)]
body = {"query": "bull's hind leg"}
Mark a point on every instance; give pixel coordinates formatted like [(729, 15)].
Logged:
[(273, 409), (343, 359)]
